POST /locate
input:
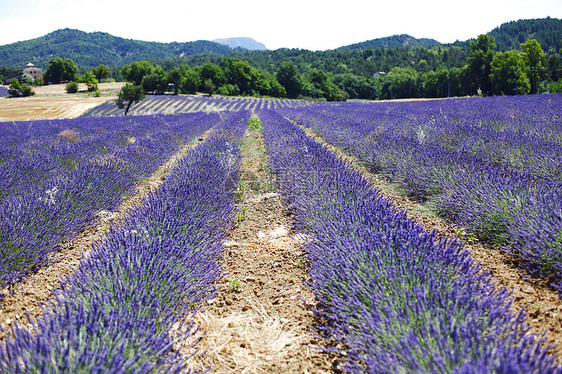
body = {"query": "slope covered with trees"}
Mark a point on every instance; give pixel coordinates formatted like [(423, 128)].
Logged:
[(546, 31), (402, 70), (92, 49)]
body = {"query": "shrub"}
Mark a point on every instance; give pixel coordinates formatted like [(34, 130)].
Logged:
[(71, 87)]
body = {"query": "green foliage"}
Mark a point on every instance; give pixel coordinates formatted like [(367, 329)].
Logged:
[(320, 85), (61, 70), (533, 56), (190, 81), (393, 42), (254, 124), (71, 87), (212, 72), (241, 215), (135, 72), (18, 90), (209, 88), (357, 86), (547, 31), (27, 79), (508, 74), (234, 283), (7, 72), (91, 81), (92, 49), (288, 77), (129, 95), (227, 90), (480, 60), (101, 72), (156, 81), (15, 88), (555, 87)]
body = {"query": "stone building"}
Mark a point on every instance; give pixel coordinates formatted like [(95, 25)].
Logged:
[(36, 73)]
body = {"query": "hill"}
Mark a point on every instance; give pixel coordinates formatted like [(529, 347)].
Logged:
[(403, 40), (246, 43), (92, 49), (547, 31), (382, 54)]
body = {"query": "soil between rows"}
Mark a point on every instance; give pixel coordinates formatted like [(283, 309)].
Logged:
[(260, 321)]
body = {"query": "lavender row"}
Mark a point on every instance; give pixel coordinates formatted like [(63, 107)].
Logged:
[(33, 222), (396, 298), (46, 152), (121, 311), (166, 104), (496, 172), (523, 133)]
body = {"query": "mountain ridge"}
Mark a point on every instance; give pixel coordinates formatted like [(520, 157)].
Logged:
[(92, 49)]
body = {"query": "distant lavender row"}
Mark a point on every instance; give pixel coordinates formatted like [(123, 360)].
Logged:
[(493, 165), (121, 311), (36, 217), (398, 300), (167, 104), (33, 154), (3, 91)]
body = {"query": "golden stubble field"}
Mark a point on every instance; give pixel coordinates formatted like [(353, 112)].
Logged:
[(52, 102)]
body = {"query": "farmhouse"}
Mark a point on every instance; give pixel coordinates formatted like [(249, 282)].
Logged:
[(30, 69)]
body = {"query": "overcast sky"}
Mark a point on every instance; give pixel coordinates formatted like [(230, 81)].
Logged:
[(314, 25)]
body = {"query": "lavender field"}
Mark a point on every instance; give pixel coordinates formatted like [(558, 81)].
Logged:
[(390, 295)]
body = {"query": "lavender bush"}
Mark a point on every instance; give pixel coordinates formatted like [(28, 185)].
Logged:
[(484, 163), (397, 299), (120, 312), (53, 193)]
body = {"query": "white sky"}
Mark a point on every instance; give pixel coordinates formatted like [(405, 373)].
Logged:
[(314, 25)]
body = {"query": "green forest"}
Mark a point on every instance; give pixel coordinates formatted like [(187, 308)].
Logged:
[(519, 57)]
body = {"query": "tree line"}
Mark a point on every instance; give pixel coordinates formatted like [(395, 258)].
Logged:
[(359, 74), (371, 73)]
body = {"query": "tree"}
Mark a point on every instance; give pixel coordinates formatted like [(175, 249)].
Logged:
[(175, 76), (129, 95), (156, 81), (213, 72), (479, 62), (321, 82), (508, 74), (533, 56), (209, 87), (356, 86), (27, 79), (135, 72), (191, 81), (239, 72), (101, 72), (90, 79), (61, 70), (16, 89), (289, 78)]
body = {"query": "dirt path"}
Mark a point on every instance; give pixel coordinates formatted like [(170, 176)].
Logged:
[(259, 322), (541, 302), (37, 289)]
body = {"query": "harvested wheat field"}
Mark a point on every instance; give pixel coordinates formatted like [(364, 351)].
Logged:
[(52, 102)]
